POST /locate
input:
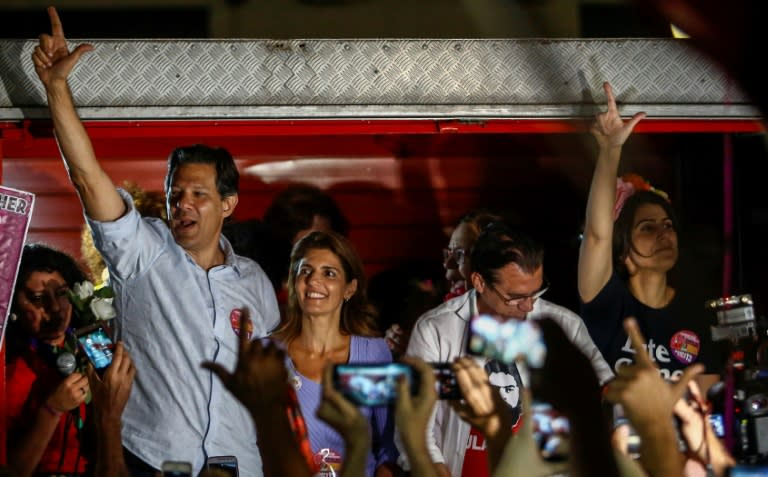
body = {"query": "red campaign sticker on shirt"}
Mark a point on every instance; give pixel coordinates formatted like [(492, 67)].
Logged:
[(234, 320), (329, 462), (685, 346)]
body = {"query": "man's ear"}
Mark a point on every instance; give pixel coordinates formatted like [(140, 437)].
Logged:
[(477, 282), (228, 204)]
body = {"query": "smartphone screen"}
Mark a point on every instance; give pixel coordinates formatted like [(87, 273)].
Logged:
[(445, 381), (748, 471), (506, 340), (97, 345), (718, 424), (372, 384), (551, 431), (227, 463)]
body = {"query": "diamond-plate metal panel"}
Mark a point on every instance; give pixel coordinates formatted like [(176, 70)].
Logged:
[(376, 78)]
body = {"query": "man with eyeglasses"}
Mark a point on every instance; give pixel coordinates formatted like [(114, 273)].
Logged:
[(507, 274)]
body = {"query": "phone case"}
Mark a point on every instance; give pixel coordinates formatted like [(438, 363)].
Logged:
[(227, 463), (176, 469)]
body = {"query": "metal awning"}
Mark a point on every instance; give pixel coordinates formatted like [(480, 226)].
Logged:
[(381, 79)]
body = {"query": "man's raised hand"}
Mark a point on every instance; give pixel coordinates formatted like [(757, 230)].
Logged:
[(52, 59)]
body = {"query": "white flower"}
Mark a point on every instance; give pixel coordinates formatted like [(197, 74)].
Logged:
[(102, 308), (83, 290)]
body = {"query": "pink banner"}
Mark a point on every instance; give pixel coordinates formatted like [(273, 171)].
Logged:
[(15, 214)]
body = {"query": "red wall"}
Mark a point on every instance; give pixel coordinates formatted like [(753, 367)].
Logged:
[(400, 183)]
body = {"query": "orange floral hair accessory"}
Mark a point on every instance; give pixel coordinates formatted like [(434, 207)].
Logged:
[(627, 185)]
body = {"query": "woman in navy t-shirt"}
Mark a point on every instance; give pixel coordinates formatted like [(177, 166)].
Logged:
[(629, 247)]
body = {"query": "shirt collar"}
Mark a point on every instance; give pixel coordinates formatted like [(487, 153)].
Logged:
[(230, 259)]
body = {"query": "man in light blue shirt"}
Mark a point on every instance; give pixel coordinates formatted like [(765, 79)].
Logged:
[(180, 288)]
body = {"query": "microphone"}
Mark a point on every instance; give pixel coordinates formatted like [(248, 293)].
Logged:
[(66, 363)]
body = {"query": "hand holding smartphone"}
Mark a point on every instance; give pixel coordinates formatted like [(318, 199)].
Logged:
[(372, 384), (445, 382), (506, 340), (227, 463), (95, 342), (375, 384)]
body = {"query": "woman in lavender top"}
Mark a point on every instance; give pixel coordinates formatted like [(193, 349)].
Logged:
[(328, 319)]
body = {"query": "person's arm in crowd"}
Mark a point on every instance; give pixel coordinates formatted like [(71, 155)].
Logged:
[(397, 339), (595, 263), (382, 424), (704, 447), (260, 382), (521, 456), (53, 63), (349, 422), (422, 344), (569, 383), (482, 407), (110, 395), (25, 451), (648, 402), (412, 415)]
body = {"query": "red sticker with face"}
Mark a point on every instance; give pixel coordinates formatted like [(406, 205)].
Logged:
[(329, 462), (234, 320), (685, 346)]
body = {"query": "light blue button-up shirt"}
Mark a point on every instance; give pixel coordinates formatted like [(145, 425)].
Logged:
[(172, 316)]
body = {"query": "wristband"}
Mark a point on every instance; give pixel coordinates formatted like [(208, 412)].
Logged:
[(51, 410)]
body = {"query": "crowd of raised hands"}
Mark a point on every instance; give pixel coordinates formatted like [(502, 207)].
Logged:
[(260, 382), (567, 381)]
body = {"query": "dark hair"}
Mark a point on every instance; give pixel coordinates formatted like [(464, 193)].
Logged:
[(500, 244), (622, 227), (227, 176), (358, 317), (295, 207), (37, 257), (291, 211), (495, 366), (480, 219)]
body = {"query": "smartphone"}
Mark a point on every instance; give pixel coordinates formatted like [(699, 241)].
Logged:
[(747, 471), (97, 345), (551, 431), (227, 463), (172, 468), (445, 382), (372, 384), (718, 424), (506, 340), (633, 440)]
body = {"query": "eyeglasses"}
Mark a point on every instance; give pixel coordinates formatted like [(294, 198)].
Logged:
[(457, 254), (516, 300)]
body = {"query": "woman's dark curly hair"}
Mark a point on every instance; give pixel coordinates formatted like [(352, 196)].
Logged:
[(38, 257)]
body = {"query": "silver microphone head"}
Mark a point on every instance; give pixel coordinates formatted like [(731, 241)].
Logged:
[(66, 363)]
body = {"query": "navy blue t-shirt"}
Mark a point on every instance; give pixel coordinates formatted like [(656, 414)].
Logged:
[(677, 335)]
